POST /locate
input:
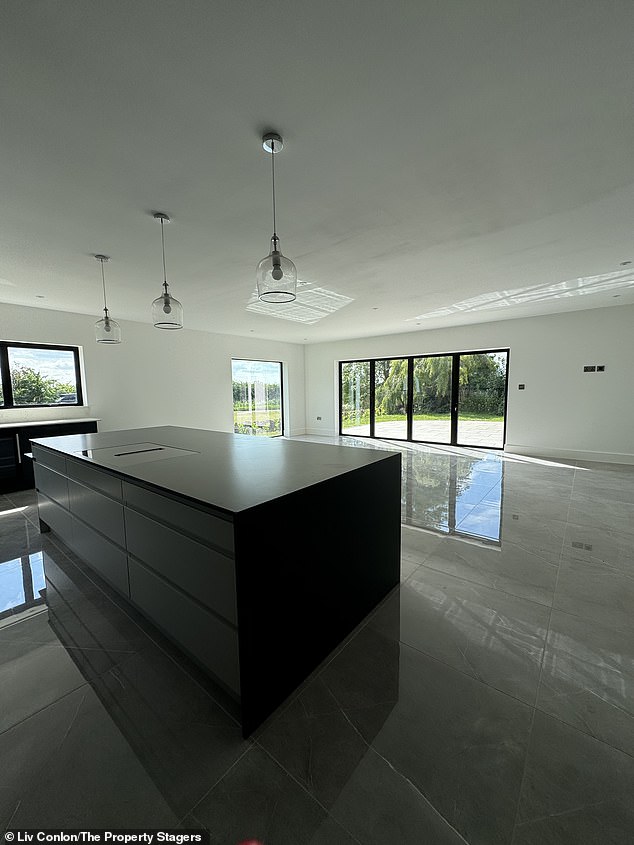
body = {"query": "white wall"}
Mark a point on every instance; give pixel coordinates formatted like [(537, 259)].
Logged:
[(562, 412), (154, 377), (184, 377)]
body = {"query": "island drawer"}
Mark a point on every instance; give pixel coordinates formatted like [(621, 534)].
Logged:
[(207, 639), (54, 485), (204, 526), (55, 517), (102, 481), (207, 575), (106, 558), (97, 510), (44, 457)]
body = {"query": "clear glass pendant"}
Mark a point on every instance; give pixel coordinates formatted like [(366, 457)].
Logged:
[(276, 276), (107, 330), (167, 312)]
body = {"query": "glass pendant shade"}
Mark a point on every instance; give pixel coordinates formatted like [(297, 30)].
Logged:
[(107, 330), (276, 276), (167, 312)]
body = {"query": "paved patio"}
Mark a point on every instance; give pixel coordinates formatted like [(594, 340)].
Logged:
[(470, 432)]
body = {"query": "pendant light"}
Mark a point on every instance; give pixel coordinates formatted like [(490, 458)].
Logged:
[(276, 274), (107, 330), (167, 312)]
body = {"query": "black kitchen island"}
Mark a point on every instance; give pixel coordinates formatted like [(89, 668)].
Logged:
[(256, 556)]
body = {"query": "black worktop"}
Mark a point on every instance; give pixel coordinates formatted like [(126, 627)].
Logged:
[(231, 472)]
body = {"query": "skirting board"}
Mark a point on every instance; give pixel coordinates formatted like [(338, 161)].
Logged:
[(569, 454), (528, 451), (321, 432)]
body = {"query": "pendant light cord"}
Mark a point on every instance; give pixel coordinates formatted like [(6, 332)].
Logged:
[(273, 179), (163, 248), (103, 282)]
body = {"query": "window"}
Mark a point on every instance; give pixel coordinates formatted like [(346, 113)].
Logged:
[(37, 376), (257, 398)]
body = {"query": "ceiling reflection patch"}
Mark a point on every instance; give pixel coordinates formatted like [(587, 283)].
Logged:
[(311, 305), (536, 293)]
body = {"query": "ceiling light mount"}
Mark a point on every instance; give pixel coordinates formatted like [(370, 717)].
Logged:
[(272, 142), (107, 330), (167, 312), (276, 275)]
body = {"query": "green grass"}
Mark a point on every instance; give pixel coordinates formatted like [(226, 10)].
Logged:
[(258, 420), (364, 419)]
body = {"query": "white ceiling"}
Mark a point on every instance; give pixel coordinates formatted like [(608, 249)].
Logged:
[(445, 163)]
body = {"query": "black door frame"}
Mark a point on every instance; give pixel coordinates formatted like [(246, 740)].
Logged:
[(455, 393)]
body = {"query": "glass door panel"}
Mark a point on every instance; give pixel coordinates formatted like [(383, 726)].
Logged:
[(355, 397), (390, 398), (482, 399), (257, 397), (431, 404)]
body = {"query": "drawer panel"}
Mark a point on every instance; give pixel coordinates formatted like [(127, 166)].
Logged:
[(205, 526), (54, 485), (108, 484), (46, 458), (203, 635), (107, 560), (207, 575), (98, 511), (58, 519)]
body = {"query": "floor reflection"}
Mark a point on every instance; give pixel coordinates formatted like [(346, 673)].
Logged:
[(22, 585), (453, 494), (451, 491)]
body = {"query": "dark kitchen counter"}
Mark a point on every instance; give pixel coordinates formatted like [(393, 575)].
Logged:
[(231, 472)]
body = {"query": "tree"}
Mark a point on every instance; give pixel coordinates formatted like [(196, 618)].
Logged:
[(391, 387), (355, 391), (32, 388)]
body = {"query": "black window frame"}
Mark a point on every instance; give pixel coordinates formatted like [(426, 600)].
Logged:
[(5, 374)]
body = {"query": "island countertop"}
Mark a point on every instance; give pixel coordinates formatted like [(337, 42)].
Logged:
[(231, 472)]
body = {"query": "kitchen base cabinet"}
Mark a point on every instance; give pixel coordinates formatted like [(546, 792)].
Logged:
[(16, 469)]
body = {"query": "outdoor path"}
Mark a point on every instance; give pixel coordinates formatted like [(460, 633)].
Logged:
[(470, 432)]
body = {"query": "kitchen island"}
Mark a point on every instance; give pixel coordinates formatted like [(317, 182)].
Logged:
[(256, 556)]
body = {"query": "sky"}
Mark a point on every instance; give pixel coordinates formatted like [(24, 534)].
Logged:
[(265, 371), (52, 363)]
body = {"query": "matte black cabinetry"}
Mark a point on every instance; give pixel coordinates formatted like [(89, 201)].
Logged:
[(290, 548), (9, 460), (16, 470)]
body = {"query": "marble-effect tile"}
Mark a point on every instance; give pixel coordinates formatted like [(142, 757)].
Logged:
[(576, 790), (496, 638), (487, 701), (588, 679)]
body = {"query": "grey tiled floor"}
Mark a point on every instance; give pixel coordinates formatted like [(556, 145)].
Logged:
[(487, 700)]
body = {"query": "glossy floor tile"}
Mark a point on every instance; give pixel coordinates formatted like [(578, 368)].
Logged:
[(522, 572), (491, 636), (576, 789), (486, 701), (588, 679)]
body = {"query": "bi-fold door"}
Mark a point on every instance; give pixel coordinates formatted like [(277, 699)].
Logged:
[(455, 399)]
